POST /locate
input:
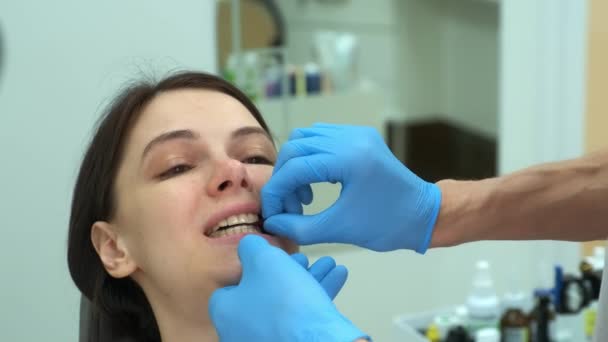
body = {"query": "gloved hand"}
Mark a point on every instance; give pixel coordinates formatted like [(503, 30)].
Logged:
[(331, 277), (382, 206), (276, 300)]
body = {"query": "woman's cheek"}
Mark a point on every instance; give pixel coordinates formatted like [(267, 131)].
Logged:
[(260, 175)]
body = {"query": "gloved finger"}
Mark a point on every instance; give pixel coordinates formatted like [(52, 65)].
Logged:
[(329, 126), (300, 259), (305, 194), (304, 230), (334, 281), (292, 204), (331, 277), (299, 148), (294, 174), (322, 267), (325, 271), (299, 133)]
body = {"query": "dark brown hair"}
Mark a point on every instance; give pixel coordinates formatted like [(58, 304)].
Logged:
[(121, 301)]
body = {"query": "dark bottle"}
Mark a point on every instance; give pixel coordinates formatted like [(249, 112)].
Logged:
[(458, 334), (543, 319), (514, 323)]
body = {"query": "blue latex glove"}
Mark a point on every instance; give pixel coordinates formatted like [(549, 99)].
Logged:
[(382, 206), (330, 276), (276, 300)]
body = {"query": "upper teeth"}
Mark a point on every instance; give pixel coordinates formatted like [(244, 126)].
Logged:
[(237, 219)]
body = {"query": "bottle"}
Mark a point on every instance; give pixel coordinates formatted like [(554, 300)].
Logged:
[(229, 71), (589, 320), (591, 269), (432, 333), (514, 323), (313, 78), (273, 77), (599, 257), (447, 321), (542, 326), (482, 303), (460, 316), (292, 75), (458, 334), (487, 335), (251, 82)]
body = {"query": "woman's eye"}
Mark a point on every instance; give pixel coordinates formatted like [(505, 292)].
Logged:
[(174, 171), (258, 160)]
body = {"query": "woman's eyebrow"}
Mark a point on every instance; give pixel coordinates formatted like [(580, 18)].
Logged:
[(172, 135), (248, 130)]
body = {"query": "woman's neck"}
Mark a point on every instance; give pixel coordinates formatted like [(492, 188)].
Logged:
[(180, 330), (183, 323)]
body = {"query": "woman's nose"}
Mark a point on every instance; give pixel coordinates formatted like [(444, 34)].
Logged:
[(229, 176)]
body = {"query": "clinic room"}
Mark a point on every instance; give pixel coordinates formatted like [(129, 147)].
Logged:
[(304, 170)]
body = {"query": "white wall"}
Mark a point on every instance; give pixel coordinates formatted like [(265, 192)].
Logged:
[(64, 59), (542, 81), (542, 105)]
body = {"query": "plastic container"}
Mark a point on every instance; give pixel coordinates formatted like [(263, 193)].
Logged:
[(482, 304), (487, 335)]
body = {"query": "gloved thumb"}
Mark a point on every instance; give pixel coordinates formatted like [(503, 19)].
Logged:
[(219, 302), (302, 229), (251, 248)]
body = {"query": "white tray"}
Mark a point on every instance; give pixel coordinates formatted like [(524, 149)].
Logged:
[(406, 326)]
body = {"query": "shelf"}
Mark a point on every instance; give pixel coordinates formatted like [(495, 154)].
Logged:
[(357, 107)]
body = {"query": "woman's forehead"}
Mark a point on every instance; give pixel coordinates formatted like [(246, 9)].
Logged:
[(207, 112)]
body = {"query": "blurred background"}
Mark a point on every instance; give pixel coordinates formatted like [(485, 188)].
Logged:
[(459, 88)]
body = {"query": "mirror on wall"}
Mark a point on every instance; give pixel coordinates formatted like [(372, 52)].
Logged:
[(423, 72)]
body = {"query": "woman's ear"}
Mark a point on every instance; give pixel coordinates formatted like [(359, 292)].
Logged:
[(112, 250)]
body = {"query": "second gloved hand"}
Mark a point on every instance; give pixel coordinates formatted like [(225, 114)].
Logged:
[(330, 276), (382, 206), (278, 300)]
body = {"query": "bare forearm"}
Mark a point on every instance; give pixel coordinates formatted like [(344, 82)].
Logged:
[(557, 201)]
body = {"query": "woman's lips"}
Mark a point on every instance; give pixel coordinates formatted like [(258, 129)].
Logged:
[(230, 211)]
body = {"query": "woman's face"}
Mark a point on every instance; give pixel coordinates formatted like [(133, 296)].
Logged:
[(195, 161)]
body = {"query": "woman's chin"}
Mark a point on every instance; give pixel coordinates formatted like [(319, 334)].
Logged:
[(231, 269)]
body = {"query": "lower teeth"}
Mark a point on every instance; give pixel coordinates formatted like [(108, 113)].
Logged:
[(234, 231)]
